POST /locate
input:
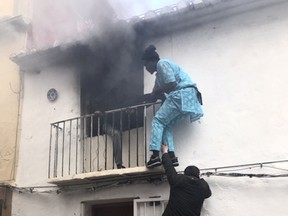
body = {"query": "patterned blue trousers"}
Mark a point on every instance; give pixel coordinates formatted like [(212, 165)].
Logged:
[(178, 105)]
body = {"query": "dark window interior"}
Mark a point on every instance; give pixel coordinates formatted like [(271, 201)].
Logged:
[(111, 73), (113, 209), (114, 79), (120, 120)]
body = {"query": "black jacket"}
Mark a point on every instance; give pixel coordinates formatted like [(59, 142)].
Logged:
[(187, 193)]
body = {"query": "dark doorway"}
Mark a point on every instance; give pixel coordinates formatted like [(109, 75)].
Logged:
[(113, 209), (5, 201)]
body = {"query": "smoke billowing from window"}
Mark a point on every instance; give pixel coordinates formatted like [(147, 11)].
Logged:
[(126, 9), (103, 49), (56, 22), (11, 28)]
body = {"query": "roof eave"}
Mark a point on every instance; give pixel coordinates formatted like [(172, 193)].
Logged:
[(18, 23)]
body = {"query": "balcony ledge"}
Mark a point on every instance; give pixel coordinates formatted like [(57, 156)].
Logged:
[(116, 175)]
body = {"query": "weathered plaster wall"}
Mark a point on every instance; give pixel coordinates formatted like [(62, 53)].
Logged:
[(10, 41), (238, 59), (39, 112), (239, 63), (6, 8), (10, 8)]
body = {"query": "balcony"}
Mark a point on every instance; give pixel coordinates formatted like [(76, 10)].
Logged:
[(81, 149)]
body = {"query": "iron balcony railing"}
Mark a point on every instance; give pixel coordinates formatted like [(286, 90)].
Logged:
[(82, 144)]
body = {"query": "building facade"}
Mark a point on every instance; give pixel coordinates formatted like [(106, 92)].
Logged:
[(12, 39), (236, 53)]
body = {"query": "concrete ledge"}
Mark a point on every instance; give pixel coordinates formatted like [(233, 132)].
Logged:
[(109, 175)]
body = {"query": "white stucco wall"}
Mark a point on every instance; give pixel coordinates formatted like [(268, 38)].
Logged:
[(239, 63), (37, 114)]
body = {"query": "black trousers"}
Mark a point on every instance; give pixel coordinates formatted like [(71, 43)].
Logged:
[(117, 145)]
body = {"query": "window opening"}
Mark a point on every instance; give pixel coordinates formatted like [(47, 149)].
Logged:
[(111, 207), (150, 207)]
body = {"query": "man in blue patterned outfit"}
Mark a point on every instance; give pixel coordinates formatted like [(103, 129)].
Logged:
[(181, 101)]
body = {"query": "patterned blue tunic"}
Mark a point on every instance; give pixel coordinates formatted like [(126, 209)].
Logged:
[(179, 103)]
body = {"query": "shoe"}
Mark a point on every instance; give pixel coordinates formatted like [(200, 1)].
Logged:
[(120, 166), (153, 162), (175, 161)]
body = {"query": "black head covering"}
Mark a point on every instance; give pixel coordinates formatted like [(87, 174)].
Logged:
[(150, 53), (192, 171)]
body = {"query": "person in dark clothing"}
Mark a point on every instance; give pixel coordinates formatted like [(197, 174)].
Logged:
[(113, 124), (115, 135), (187, 192)]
